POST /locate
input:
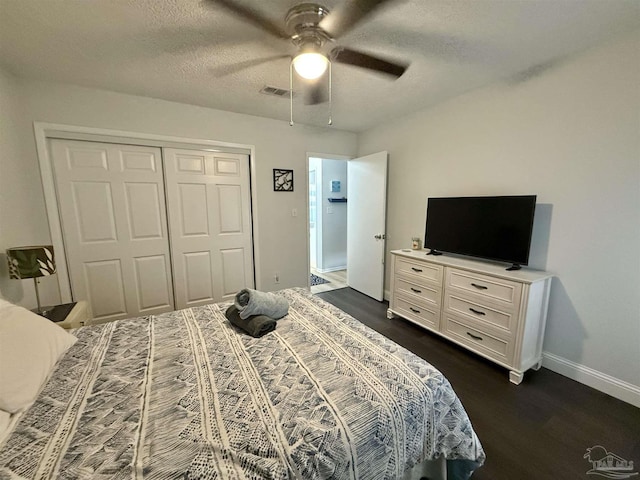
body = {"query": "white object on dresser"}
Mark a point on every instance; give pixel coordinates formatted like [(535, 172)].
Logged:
[(495, 313), (78, 316)]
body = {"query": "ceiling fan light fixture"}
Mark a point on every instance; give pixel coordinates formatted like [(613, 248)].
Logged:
[(310, 65)]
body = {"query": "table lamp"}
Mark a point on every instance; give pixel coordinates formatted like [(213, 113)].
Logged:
[(32, 262)]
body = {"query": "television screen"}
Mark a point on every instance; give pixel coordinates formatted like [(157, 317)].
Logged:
[(494, 228)]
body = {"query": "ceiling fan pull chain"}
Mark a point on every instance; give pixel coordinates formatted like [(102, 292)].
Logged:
[(291, 94), (330, 114)]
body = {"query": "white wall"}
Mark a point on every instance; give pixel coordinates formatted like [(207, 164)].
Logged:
[(21, 221), (570, 136), (334, 224), (8, 150), (282, 237)]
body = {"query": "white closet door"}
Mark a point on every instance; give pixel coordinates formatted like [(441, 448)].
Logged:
[(112, 206), (210, 225)]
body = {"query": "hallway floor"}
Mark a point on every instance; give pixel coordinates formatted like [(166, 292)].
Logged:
[(337, 279)]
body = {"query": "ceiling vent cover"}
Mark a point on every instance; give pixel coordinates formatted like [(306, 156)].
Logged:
[(278, 92)]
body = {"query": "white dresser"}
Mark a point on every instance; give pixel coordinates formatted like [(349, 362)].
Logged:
[(493, 312)]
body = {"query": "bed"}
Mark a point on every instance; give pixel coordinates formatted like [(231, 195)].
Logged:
[(187, 395)]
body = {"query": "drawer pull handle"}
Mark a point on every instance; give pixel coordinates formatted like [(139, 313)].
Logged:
[(416, 269), (477, 312), (416, 290), (475, 337), (479, 287), (414, 310)]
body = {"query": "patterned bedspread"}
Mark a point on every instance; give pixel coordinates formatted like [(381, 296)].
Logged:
[(186, 395)]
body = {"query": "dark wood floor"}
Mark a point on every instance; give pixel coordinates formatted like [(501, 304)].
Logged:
[(539, 429)]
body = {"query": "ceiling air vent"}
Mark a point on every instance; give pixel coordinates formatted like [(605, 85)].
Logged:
[(278, 92)]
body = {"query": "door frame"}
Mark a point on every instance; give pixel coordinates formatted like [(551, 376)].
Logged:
[(316, 231), (327, 156), (44, 131)]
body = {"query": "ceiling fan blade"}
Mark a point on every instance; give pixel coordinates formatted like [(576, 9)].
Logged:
[(364, 60), (252, 16), (315, 93), (347, 15), (224, 70)]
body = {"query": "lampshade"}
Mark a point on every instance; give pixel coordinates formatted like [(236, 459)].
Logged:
[(310, 65), (31, 262)]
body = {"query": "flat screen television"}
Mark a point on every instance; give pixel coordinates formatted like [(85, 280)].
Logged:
[(492, 228)]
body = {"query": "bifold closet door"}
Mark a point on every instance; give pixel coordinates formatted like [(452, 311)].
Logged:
[(112, 206), (208, 198)]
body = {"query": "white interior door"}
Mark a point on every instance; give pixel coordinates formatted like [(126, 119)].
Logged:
[(366, 214), (112, 207), (209, 199)]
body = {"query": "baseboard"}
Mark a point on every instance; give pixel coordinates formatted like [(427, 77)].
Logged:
[(615, 387), (332, 269)]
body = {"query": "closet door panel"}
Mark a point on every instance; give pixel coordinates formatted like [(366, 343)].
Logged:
[(94, 216), (86, 156), (227, 165), (138, 160), (143, 204), (192, 210), (198, 278), (209, 211), (152, 278), (112, 206), (229, 209), (233, 268), (104, 285)]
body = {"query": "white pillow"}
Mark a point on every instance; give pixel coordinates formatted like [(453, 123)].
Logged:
[(30, 346)]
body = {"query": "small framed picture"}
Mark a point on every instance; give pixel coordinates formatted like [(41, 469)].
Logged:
[(282, 180)]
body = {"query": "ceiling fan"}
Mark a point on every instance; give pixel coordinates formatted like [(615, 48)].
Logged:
[(311, 27)]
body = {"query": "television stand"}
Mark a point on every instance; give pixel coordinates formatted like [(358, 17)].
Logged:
[(434, 252), (499, 315), (513, 267)]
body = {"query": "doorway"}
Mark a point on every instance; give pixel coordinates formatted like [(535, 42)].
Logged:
[(358, 231), (327, 223)]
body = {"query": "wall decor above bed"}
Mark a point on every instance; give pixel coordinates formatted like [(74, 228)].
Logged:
[(187, 395), (282, 180)]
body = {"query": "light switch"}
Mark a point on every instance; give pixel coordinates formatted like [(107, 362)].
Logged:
[(329, 209), (294, 212)]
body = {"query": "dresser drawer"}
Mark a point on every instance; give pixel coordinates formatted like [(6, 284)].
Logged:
[(479, 341), (481, 286), (419, 271), (426, 316), (429, 293), (504, 319)]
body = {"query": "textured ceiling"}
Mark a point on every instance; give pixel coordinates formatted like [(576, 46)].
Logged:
[(184, 51)]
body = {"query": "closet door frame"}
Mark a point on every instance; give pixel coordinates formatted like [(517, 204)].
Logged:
[(44, 131)]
